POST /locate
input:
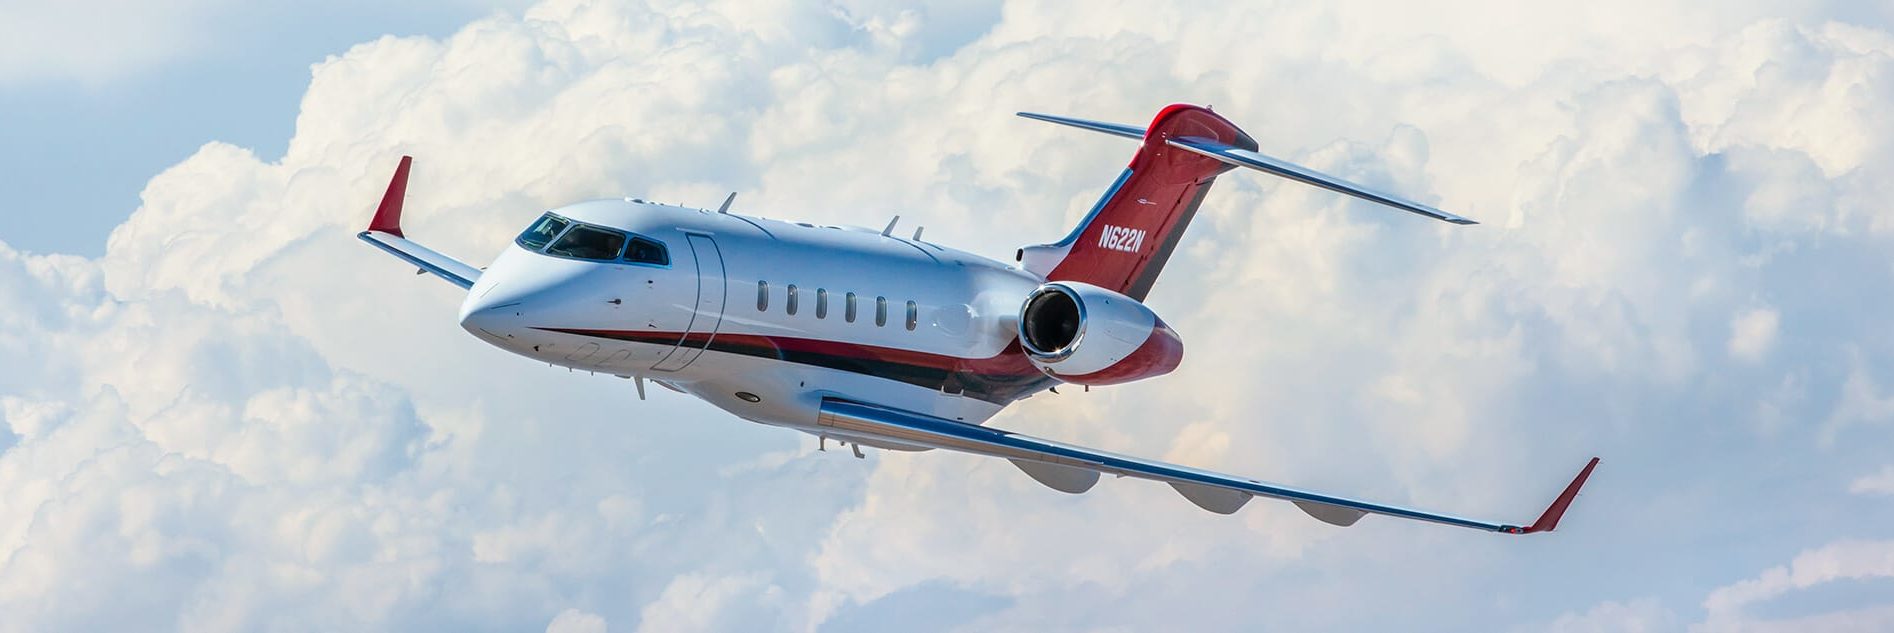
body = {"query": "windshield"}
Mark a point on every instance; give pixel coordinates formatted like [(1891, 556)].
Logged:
[(540, 233), (586, 242)]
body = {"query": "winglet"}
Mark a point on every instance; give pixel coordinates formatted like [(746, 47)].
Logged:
[(1550, 519), (388, 215)]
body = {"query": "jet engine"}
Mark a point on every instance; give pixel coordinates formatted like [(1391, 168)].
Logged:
[(1083, 334)]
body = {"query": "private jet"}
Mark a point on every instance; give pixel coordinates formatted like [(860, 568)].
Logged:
[(868, 338)]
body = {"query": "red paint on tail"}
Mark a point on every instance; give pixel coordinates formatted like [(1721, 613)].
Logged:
[(1125, 244)]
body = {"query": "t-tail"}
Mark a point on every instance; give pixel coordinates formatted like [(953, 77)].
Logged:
[(1125, 240)]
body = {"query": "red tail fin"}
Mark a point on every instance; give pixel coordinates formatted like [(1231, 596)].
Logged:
[(1124, 242)]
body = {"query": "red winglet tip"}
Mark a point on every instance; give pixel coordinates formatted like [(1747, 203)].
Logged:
[(388, 215), (1550, 520)]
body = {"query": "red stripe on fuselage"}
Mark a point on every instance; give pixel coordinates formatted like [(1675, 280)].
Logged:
[(1001, 378)]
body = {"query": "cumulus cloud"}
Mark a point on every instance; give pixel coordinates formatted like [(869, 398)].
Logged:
[(1878, 483), (1831, 563), (239, 418)]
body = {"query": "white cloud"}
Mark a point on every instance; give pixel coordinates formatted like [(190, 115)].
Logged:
[(1879, 483), (239, 418), (1834, 562), (1640, 616), (576, 621), (1753, 333), (698, 602)]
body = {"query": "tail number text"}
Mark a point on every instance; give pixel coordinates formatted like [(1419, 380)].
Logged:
[(1119, 238)]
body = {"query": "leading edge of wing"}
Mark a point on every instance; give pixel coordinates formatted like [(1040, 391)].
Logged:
[(1261, 162), (424, 258), (923, 430)]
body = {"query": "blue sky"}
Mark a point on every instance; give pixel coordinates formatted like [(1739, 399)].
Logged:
[(233, 416), (81, 141)]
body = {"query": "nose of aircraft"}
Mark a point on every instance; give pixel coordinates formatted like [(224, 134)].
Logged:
[(497, 312), (518, 292)]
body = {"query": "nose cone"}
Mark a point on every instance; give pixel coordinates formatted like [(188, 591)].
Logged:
[(496, 313), (522, 291)]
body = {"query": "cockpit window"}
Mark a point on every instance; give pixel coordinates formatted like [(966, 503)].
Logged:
[(647, 251), (543, 231), (587, 242)]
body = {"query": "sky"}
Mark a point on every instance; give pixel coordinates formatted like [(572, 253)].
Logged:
[(221, 412)]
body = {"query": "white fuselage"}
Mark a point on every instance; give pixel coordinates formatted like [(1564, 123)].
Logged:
[(717, 321)]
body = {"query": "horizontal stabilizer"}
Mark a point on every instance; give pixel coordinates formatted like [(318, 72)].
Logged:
[(1248, 158), (1245, 157), (1114, 129)]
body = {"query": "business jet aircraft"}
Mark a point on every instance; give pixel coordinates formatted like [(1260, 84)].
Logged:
[(872, 339)]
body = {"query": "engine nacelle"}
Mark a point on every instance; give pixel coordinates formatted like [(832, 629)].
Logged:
[(1083, 334)]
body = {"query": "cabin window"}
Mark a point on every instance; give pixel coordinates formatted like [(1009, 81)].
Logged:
[(881, 311), (848, 308), (541, 233), (790, 305), (588, 242), (644, 250), (821, 303), (762, 296), (914, 316)]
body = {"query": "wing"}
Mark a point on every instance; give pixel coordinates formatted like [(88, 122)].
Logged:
[(385, 233), (1074, 469)]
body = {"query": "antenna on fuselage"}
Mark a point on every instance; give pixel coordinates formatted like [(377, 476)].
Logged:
[(726, 203), (917, 232), (889, 232)]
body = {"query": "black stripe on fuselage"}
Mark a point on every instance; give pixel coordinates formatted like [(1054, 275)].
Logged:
[(997, 388)]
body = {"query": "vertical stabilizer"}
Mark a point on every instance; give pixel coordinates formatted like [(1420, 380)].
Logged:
[(1125, 240)]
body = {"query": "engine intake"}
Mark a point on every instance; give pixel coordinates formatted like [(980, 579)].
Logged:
[(1083, 334), (1050, 322)]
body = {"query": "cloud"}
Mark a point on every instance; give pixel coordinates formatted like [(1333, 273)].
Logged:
[(576, 621), (1834, 562), (1641, 616), (1879, 483), (1752, 333), (239, 418)]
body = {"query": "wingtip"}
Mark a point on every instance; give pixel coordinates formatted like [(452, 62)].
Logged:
[(1550, 519), (388, 215)]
